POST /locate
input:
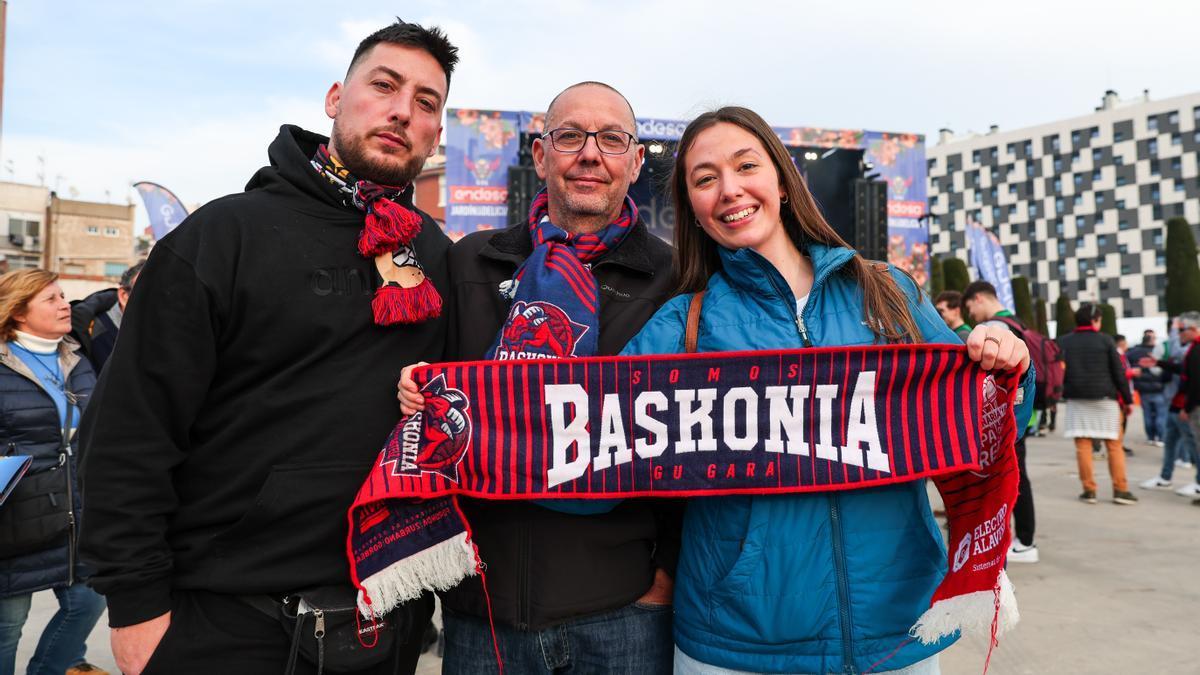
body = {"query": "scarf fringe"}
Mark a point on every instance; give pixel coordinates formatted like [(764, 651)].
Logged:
[(387, 225), (393, 304), (440, 567), (977, 612)]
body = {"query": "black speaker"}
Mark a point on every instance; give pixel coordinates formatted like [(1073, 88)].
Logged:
[(523, 185), (870, 218)]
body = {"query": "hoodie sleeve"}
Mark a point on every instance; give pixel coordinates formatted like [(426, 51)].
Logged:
[(136, 431)]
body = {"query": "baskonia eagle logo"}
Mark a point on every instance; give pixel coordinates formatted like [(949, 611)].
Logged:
[(433, 440), (538, 330)]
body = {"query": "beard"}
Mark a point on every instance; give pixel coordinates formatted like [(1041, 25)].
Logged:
[(394, 170)]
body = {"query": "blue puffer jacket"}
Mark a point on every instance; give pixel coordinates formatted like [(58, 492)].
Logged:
[(30, 425), (814, 583)]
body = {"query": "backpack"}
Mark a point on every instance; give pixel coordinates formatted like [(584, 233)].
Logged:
[(1046, 356)]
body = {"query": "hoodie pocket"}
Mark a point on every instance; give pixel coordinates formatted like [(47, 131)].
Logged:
[(295, 530)]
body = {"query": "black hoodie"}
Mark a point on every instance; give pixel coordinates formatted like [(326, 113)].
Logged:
[(247, 397)]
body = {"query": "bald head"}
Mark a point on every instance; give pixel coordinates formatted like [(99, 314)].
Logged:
[(552, 111)]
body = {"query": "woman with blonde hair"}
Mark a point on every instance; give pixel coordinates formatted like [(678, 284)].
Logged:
[(801, 583), (44, 386)]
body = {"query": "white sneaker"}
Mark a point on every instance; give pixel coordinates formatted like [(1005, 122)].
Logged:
[(1186, 465), (1022, 554), (1156, 483), (1189, 490), (1159, 443)]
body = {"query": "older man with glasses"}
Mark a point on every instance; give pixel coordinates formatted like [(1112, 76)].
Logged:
[(1187, 399), (579, 586)]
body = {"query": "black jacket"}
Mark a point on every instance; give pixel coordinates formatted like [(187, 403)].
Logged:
[(1147, 382), (30, 425), (543, 566), (91, 327), (1094, 369), (1190, 370), (247, 397)]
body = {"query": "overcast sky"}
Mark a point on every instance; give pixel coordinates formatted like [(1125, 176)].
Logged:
[(189, 93)]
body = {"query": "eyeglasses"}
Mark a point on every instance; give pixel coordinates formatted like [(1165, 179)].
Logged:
[(609, 141)]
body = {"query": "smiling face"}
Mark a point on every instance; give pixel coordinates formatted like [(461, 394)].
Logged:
[(387, 116), (586, 189), (734, 189), (48, 314)]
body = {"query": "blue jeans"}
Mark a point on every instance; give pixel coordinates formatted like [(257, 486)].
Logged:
[(634, 639), (1178, 443), (1154, 416), (64, 641)]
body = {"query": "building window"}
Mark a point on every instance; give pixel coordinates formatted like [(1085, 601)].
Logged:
[(1099, 199), (1054, 144), (1097, 155), (1152, 123), (1196, 113), (1179, 186), (114, 269), (1177, 164), (1123, 249), (1152, 146), (1058, 165), (1156, 212), (995, 213), (1012, 189), (1154, 168), (1075, 135), (1196, 136), (1095, 175), (1062, 247), (993, 192), (1011, 148), (1094, 133), (1058, 227), (1029, 170), (1118, 160), (92, 229), (1078, 179), (1084, 264), (1012, 210), (1102, 240), (1176, 139), (1121, 179), (1120, 203), (74, 269), (1058, 205), (1158, 238), (1074, 158), (1160, 259), (112, 232), (1033, 209), (975, 156), (1062, 270), (1126, 269), (1155, 194), (1173, 118)]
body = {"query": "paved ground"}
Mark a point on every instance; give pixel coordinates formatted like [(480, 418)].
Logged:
[(1117, 589)]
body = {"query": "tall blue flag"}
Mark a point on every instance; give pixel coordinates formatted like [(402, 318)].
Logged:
[(987, 255), (165, 209)]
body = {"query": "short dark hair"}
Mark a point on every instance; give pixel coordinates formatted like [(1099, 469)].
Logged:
[(952, 298), (977, 288), (130, 274), (1118, 338), (1086, 314), (432, 40)]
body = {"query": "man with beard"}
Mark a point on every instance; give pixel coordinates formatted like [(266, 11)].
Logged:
[(251, 388), (579, 586)]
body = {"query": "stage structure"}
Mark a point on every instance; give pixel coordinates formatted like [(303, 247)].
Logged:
[(870, 184)]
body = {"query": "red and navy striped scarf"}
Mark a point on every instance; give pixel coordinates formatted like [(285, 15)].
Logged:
[(697, 425), (404, 293), (555, 297)]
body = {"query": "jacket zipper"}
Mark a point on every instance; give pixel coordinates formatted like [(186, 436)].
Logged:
[(66, 459), (843, 584), (523, 599)]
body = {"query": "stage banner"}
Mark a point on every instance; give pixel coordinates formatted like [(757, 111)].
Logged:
[(987, 256), (899, 160), (164, 208), (480, 146)]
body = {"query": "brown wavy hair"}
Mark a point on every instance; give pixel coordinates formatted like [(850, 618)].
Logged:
[(885, 306), (17, 288)]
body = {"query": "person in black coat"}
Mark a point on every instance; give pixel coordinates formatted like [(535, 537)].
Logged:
[(44, 387), (96, 320)]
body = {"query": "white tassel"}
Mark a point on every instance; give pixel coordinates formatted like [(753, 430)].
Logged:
[(440, 567), (970, 613)]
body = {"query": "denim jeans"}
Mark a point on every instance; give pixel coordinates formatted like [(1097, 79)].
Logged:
[(1178, 443), (1154, 416), (63, 642), (634, 639)]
